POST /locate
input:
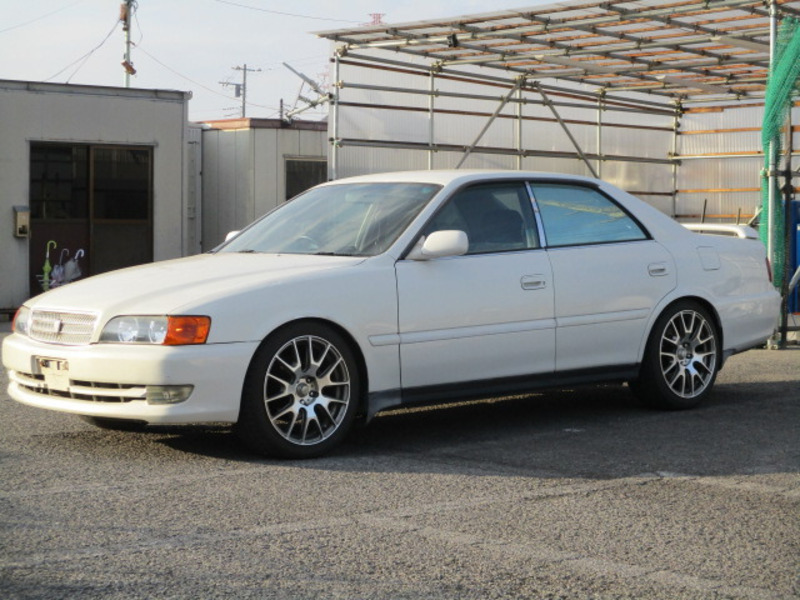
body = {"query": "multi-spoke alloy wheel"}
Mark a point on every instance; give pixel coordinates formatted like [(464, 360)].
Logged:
[(681, 360), (688, 354), (301, 392), (307, 390)]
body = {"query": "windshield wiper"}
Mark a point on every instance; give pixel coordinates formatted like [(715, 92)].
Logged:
[(332, 254)]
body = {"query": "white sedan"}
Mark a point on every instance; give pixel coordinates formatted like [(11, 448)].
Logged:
[(388, 290)]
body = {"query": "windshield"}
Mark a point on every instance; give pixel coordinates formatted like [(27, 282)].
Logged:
[(351, 219)]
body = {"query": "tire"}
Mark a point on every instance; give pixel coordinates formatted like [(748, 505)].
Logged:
[(115, 424), (301, 393), (681, 360)]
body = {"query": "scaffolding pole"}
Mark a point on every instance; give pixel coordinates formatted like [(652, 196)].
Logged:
[(431, 112), (788, 191), (587, 96), (600, 135), (423, 146), (585, 105), (335, 118), (773, 163), (676, 126), (518, 130)]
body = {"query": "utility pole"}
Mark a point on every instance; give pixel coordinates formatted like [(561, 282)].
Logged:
[(240, 89), (125, 12)]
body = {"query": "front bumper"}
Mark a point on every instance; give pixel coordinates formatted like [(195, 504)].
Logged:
[(111, 380)]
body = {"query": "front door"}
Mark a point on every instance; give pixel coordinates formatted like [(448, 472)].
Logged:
[(485, 315)]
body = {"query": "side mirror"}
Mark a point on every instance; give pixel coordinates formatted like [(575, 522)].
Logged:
[(440, 244), (231, 235)]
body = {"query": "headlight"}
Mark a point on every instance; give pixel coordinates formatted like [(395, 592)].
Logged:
[(167, 331), (21, 323)]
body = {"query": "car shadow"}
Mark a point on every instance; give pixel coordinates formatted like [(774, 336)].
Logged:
[(591, 432)]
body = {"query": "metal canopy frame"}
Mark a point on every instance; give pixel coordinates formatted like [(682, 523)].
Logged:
[(664, 58), (681, 51)]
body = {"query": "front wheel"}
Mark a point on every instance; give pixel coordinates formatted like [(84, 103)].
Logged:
[(300, 394), (681, 359)]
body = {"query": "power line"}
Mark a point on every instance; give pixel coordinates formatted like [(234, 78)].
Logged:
[(182, 76), (52, 12), (85, 57), (285, 14), (198, 84), (139, 26)]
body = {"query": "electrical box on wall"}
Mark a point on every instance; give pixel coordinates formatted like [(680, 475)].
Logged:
[(22, 221)]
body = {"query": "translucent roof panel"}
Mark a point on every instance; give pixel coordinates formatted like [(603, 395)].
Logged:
[(680, 50)]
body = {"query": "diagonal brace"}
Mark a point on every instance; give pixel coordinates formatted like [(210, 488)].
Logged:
[(503, 102), (551, 106)]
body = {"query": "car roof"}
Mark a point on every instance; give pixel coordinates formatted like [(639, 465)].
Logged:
[(453, 176)]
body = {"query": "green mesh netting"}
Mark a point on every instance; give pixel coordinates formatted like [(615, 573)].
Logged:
[(783, 83)]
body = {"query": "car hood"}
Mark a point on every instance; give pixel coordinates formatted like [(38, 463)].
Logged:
[(173, 286)]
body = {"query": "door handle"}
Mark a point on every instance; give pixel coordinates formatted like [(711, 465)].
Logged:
[(658, 269), (533, 282)]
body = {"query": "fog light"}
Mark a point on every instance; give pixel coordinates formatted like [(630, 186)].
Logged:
[(168, 394)]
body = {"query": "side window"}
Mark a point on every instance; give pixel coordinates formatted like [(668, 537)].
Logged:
[(497, 217), (574, 215)]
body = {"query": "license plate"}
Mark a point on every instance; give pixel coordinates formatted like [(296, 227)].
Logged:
[(56, 373)]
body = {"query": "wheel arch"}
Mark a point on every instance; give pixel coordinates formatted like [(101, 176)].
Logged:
[(687, 298), (348, 337), (663, 384)]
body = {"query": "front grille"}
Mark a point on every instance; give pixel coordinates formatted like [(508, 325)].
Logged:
[(62, 327), (87, 391)]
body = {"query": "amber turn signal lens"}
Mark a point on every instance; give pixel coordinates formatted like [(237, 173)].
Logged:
[(187, 330)]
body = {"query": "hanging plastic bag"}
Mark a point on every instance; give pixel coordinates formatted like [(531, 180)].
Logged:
[(57, 275), (72, 270)]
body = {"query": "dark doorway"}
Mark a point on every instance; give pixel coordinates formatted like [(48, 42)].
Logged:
[(303, 173), (91, 211)]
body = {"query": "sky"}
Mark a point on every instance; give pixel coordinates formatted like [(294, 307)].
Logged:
[(196, 45)]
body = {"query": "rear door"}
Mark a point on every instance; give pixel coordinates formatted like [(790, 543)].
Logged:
[(608, 276)]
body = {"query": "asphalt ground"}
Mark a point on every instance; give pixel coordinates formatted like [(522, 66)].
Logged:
[(573, 494)]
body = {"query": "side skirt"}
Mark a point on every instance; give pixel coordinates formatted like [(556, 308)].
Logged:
[(491, 388)]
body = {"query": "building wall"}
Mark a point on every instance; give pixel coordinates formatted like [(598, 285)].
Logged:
[(382, 122), (243, 169), (193, 190), (722, 161), (40, 112)]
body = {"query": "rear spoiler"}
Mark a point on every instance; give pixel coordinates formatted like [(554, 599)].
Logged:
[(740, 231)]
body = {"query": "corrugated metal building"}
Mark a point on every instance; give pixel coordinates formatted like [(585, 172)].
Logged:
[(93, 178), (252, 165)]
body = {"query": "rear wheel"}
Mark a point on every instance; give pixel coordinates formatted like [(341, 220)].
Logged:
[(300, 394), (681, 360)]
